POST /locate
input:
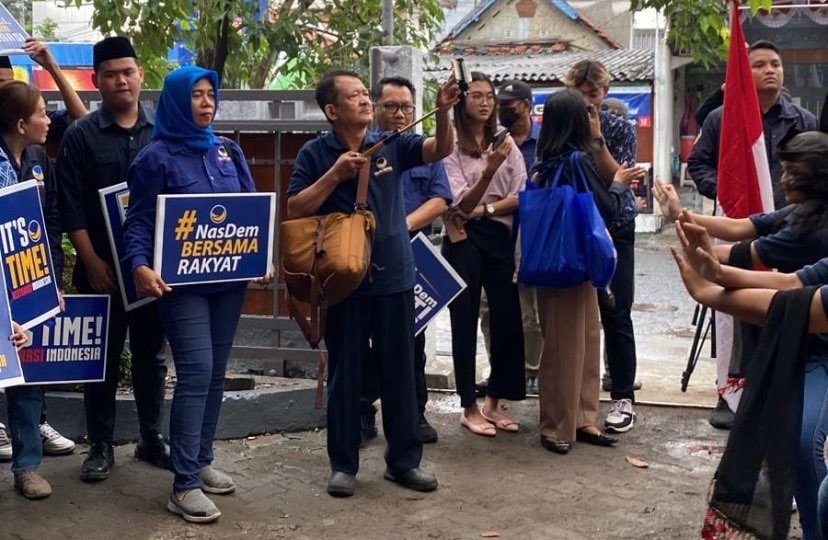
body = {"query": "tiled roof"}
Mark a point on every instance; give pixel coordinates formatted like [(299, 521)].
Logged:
[(624, 65), (562, 5)]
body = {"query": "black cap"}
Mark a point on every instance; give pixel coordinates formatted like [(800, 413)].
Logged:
[(5, 62), (111, 48), (514, 89), (807, 146)]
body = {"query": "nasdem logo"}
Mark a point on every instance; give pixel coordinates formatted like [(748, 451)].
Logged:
[(218, 214), (34, 231)]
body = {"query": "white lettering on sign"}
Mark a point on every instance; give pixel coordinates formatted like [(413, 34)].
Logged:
[(208, 264), (423, 302), (73, 332)]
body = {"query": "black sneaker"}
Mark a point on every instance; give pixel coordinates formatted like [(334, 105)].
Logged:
[(369, 428), (722, 416), (98, 463), (427, 433)]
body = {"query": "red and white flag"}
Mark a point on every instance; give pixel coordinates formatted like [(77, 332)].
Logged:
[(743, 180)]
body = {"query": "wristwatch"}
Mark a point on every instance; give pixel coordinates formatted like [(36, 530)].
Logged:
[(488, 210), (598, 142)]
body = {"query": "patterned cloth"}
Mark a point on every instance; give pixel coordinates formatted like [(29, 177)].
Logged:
[(622, 145), (7, 175)]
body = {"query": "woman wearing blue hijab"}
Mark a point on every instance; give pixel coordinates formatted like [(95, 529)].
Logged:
[(200, 320)]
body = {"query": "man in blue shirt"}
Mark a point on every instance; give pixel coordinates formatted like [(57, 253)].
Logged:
[(380, 313), (426, 195)]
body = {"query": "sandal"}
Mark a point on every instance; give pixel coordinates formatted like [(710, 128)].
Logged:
[(503, 423), (484, 430)]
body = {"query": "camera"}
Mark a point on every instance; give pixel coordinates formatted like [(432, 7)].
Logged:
[(499, 138)]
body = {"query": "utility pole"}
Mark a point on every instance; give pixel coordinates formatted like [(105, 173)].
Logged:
[(387, 22)]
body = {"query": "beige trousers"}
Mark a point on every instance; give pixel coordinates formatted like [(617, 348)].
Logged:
[(570, 367)]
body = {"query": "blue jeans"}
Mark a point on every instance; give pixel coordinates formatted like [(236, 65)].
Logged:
[(200, 329), (811, 461), (24, 404)]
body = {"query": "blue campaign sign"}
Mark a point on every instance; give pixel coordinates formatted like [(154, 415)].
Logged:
[(437, 284), (11, 373), (12, 34), (637, 98), (31, 282), (115, 201), (71, 348), (212, 238)]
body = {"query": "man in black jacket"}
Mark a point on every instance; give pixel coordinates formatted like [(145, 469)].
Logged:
[(779, 117)]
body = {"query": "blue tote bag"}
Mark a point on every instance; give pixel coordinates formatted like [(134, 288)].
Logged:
[(563, 239)]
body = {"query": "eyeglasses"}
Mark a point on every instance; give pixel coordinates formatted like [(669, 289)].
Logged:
[(479, 97), (392, 108)]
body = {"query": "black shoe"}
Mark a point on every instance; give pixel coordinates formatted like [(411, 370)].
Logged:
[(722, 416), (415, 479), (154, 450), (591, 438), (427, 433), (341, 484), (98, 463), (480, 388), (559, 447), (369, 428)]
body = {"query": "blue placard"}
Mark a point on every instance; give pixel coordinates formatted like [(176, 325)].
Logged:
[(31, 282), (437, 284), (213, 238), (11, 373), (12, 34), (114, 202), (71, 348)]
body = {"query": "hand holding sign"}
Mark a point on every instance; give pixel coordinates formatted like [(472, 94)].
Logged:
[(19, 337), (149, 283)]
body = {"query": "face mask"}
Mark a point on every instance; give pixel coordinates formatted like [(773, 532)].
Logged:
[(507, 117)]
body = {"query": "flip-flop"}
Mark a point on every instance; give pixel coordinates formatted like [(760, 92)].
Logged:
[(504, 424), (484, 430)]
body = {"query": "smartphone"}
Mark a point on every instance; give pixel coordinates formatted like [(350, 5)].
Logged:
[(462, 73), (499, 138)]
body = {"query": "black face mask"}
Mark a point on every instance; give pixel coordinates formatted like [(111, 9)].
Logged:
[(507, 117)]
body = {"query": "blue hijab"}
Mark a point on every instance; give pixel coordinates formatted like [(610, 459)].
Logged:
[(174, 114)]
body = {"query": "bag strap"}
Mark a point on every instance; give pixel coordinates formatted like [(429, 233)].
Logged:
[(578, 174), (362, 187)]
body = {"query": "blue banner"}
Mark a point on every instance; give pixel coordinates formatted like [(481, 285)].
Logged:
[(115, 201), (212, 238), (12, 34), (71, 348), (11, 373), (31, 282), (637, 98), (437, 284)]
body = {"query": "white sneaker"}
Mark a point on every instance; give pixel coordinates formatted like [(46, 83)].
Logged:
[(5, 444), (54, 444), (621, 417)]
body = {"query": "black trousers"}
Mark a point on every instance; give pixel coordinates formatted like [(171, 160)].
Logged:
[(485, 260), (370, 379), (380, 330), (616, 318), (146, 343)]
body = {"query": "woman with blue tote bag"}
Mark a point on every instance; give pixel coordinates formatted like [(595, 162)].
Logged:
[(569, 375)]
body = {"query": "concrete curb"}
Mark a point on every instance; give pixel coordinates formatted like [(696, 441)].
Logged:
[(288, 405)]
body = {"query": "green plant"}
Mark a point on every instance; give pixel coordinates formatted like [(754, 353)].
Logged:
[(47, 30)]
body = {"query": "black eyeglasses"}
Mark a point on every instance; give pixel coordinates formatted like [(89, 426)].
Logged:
[(392, 108)]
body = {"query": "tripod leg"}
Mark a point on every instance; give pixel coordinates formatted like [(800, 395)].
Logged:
[(698, 341)]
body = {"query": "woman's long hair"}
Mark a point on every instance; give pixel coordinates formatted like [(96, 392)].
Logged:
[(565, 125), (465, 137)]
